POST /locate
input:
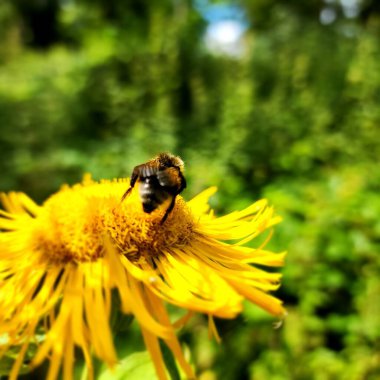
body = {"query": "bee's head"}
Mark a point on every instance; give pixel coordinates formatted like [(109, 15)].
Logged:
[(168, 160)]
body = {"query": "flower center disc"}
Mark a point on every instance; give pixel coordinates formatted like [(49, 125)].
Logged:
[(75, 221)]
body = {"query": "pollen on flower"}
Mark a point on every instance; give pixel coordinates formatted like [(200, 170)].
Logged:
[(72, 224)]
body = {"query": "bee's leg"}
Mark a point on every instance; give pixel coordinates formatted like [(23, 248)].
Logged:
[(135, 175), (126, 194), (168, 210)]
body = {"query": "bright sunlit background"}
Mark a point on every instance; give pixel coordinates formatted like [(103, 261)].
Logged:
[(262, 98), (226, 25)]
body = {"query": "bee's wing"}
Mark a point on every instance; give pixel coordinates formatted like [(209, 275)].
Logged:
[(148, 169), (169, 177)]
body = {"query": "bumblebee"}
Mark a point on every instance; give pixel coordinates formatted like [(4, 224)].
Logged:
[(160, 181)]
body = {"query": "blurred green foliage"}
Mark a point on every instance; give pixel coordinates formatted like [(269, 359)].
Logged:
[(100, 86)]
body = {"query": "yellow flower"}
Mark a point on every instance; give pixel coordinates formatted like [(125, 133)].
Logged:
[(60, 262)]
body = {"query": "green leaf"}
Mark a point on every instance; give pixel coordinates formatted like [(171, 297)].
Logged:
[(135, 367)]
